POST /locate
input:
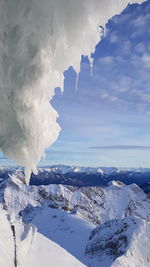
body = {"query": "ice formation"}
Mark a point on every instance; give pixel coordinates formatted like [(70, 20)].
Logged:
[(39, 40)]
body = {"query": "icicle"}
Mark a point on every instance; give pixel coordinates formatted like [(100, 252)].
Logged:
[(77, 81), (91, 65)]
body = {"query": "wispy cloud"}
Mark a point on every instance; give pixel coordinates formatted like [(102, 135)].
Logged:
[(120, 147)]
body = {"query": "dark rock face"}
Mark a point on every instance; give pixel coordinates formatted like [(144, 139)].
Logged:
[(111, 238)]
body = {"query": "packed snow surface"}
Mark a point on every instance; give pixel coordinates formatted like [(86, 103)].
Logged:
[(25, 247), (45, 252), (6, 241), (39, 40), (121, 243)]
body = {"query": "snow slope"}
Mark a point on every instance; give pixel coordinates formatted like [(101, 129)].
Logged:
[(6, 241), (15, 240), (46, 253), (65, 229), (28, 248), (122, 243)]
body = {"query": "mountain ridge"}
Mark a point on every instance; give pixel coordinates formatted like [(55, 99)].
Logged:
[(67, 219)]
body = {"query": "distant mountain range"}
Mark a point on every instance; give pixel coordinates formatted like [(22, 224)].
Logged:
[(84, 176)]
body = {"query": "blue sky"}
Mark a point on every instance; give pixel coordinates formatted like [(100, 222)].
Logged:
[(106, 122)]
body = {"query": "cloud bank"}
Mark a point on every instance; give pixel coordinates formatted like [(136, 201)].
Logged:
[(120, 147), (39, 40)]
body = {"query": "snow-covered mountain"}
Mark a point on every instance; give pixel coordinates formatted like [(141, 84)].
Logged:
[(120, 243), (60, 226), (107, 170), (82, 176)]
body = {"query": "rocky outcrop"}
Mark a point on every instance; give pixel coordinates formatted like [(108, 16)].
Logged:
[(121, 242), (94, 204)]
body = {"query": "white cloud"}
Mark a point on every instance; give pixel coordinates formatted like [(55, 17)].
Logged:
[(141, 21), (114, 38), (146, 60), (106, 60), (104, 94), (140, 47)]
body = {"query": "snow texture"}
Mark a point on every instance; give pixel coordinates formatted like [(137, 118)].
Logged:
[(45, 252), (60, 225), (121, 243), (39, 40), (93, 204)]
